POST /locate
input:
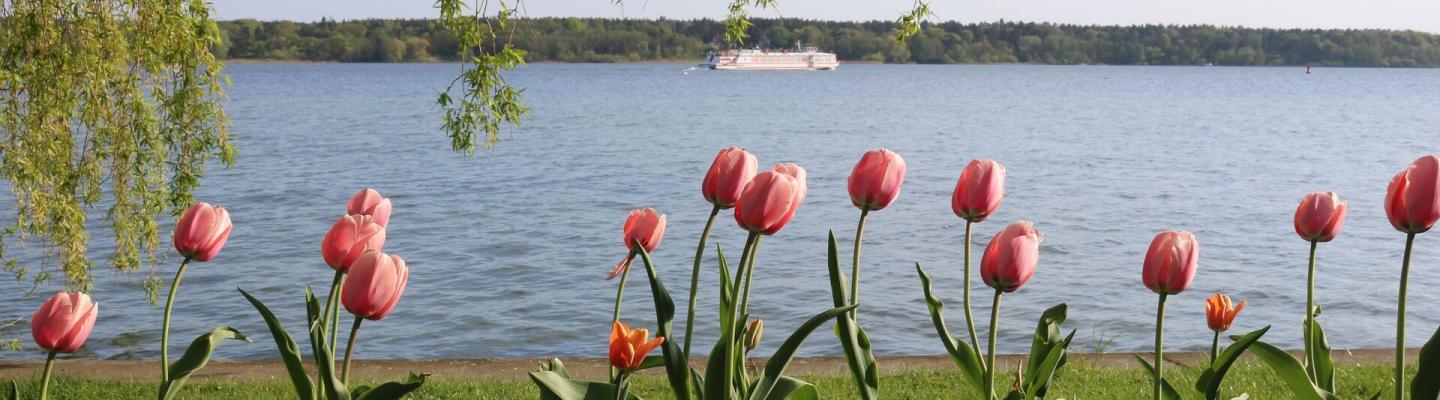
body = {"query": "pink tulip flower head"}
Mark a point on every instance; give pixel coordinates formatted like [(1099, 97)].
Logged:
[(1320, 216), (875, 181), (1010, 259), (1170, 263), (771, 199), (369, 202), (350, 237), (202, 231), (375, 284), (979, 191), (732, 169), (1411, 201), (644, 226), (64, 321)]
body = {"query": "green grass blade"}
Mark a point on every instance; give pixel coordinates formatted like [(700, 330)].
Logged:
[(858, 355), (676, 365), (196, 356), (289, 351), (782, 357), (1209, 382), (960, 352), (1426, 384), (1290, 371)]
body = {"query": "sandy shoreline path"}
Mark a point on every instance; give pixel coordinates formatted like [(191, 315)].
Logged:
[(589, 368)]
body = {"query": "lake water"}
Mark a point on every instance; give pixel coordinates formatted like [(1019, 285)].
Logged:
[(509, 249)]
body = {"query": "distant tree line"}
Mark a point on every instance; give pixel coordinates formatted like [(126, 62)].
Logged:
[(622, 40)]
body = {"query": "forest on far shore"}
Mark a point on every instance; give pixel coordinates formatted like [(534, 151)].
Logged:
[(630, 40)]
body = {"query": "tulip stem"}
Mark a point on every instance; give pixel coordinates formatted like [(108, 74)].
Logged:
[(990, 354), (855, 263), (749, 273), (620, 295), (695, 280), (349, 350), (1160, 344), (969, 319), (1400, 321), (1310, 316), (1214, 348), (332, 310), (165, 323), (45, 376), (622, 386)]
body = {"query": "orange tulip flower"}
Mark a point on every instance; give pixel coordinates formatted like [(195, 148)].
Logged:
[(1220, 312), (628, 347)]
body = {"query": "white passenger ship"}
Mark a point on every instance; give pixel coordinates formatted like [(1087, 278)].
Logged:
[(801, 58)]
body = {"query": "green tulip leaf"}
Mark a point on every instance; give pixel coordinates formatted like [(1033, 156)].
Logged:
[(1042, 344), (330, 383), (1323, 368), (555, 387), (14, 391), (853, 340), (1037, 379), (1210, 379), (720, 368), (788, 388), (390, 390), (196, 356), (677, 368), (1289, 370), (289, 351), (1426, 384), (554, 365), (783, 355), (697, 382), (1168, 391), (960, 352)]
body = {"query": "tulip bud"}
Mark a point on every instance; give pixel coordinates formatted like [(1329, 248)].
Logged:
[(979, 191), (875, 181), (349, 237), (1411, 201), (729, 173), (1170, 263), (1320, 216), (1010, 258), (753, 331), (64, 321), (202, 231), (369, 202), (375, 284), (644, 226), (628, 347), (1219, 312)]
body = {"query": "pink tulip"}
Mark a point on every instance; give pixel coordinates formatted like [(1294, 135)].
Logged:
[(1411, 201), (350, 237), (202, 231), (375, 284), (979, 191), (771, 199), (1009, 261), (875, 181), (1320, 216), (1170, 263), (645, 226), (369, 202), (732, 169), (64, 322)]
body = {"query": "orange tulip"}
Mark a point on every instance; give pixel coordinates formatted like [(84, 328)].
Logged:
[(628, 347), (1220, 312)]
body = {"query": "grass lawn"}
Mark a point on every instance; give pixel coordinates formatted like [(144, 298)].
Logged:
[(1078, 381)]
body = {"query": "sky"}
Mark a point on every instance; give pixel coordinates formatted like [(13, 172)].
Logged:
[(1423, 15)]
